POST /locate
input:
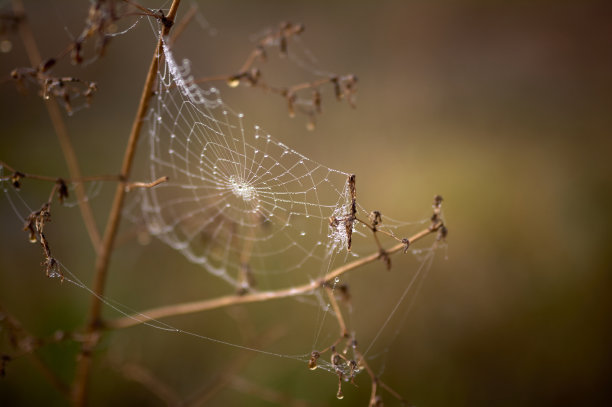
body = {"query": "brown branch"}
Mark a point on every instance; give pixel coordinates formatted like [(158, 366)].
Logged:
[(224, 301), (133, 185), (18, 175), (27, 344), (55, 179), (250, 75), (224, 378), (60, 128), (180, 27), (334, 303), (139, 374), (102, 262), (266, 394), (391, 391)]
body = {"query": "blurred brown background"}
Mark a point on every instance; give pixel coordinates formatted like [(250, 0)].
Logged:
[(503, 108)]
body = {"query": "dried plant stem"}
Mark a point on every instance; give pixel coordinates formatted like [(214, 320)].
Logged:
[(27, 36), (50, 375), (265, 394), (391, 391), (102, 262), (336, 307), (157, 387), (224, 301), (27, 345), (55, 179), (224, 378), (133, 185), (185, 20)]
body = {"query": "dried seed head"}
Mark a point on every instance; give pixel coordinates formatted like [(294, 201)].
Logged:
[(316, 100), (253, 77), (46, 65), (291, 98), (62, 191), (437, 201), (312, 363), (406, 243), (16, 179), (442, 233), (375, 219), (384, 256)]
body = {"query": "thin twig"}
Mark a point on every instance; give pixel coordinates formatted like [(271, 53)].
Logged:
[(102, 262), (61, 130), (266, 394), (391, 391), (133, 185), (147, 379), (54, 179), (185, 20), (27, 344), (224, 301), (224, 378), (334, 303)]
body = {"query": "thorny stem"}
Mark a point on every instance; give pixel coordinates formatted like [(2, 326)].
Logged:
[(59, 126), (224, 301), (102, 262)]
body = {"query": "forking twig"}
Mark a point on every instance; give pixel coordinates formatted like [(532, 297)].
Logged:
[(59, 125), (27, 344), (224, 301)]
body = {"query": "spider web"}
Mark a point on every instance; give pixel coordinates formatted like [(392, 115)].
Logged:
[(238, 202), (242, 204)]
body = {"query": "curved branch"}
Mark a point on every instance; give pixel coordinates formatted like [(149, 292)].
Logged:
[(225, 301)]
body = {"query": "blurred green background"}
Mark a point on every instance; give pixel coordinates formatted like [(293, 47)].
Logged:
[(501, 107)]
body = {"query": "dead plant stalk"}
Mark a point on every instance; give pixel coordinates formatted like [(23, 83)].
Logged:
[(225, 301), (59, 125), (103, 259)]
